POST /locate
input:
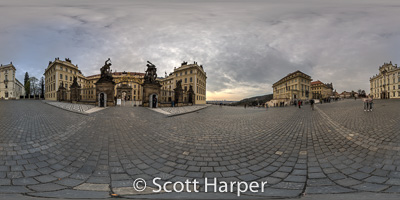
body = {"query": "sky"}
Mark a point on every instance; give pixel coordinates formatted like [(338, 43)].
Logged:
[(244, 46)]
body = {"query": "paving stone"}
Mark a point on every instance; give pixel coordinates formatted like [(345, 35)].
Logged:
[(46, 187), (93, 187), (327, 190), (72, 194), (24, 181), (14, 189), (337, 148)]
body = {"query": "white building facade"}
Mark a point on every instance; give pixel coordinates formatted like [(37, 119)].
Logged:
[(386, 84), (10, 87)]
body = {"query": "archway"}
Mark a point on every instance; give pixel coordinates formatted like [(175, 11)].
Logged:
[(102, 99), (153, 101)]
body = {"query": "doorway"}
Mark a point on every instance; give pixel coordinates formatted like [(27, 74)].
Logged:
[(102, 100), (153, 101)]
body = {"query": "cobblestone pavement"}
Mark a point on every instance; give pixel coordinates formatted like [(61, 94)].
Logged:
[(338, 148), (173, 111), (80, 108)]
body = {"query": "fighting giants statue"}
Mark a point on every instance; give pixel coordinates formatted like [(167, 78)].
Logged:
[(105, 70), (151, 87), (105, 86), (151, 73)]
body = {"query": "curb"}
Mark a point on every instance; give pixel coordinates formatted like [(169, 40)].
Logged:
[(173, 115), (87, 114)]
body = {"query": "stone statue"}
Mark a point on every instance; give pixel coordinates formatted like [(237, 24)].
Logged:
[(151, 73), (105, 70), (75, 83), (179, 84)]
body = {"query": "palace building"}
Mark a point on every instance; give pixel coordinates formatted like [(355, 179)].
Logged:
[(61, 72), (128, 84), (294, 86), (190, 75), (386, 84), (10, 87), (321, 90)]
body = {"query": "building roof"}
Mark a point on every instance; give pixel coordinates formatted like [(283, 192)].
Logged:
[(7, 65), (316, 82), (289, 75), (119, 74)]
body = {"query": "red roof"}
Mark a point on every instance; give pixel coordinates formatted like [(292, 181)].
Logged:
[(316, 82)]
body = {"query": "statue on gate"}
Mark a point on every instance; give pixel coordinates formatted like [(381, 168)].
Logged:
[(151, 73), (105, 70)]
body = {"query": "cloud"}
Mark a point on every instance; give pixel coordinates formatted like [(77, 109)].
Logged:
[(244, 46)]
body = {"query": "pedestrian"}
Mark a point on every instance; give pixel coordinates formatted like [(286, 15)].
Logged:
[(366, 104), (299, 102), (370, 101), (312, 104), (245, 105)]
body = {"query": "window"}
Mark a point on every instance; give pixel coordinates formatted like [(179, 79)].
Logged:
[(60, 76), (185, 80), (190, 79), (191, 71), (66, 77), (70, 78), (181, 74), (185, 72)]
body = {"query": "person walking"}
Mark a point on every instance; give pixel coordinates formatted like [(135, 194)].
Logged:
[(312, 104), (366, 104), (370, 101), (299, 102)]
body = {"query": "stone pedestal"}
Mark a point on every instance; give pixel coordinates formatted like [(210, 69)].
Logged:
[(105, 90), (151, 93)]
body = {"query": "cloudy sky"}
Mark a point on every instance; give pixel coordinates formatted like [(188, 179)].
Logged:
[(244, 46)]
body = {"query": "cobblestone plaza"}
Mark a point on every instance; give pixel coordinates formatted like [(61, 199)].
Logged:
[(46, 151)]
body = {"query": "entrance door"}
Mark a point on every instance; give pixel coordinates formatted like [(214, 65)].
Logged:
[(153, 98), (154, 101), (102, 100)]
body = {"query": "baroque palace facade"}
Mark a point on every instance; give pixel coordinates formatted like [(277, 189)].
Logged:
[(294, 86), (128, 84), (190, 75), (321, 90), (386, 84), (10, 87)]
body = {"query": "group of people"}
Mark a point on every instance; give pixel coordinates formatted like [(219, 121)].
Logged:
[(368, 102)]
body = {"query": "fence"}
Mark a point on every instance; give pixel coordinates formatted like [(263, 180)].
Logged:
[(169, 98)]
